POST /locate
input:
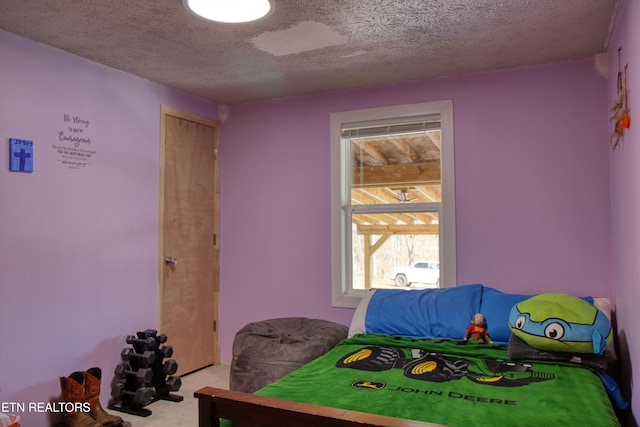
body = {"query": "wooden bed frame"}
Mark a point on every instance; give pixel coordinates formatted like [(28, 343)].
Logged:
[(249, 410)]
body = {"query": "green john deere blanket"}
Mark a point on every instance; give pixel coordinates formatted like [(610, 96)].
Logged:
[(450, 382)]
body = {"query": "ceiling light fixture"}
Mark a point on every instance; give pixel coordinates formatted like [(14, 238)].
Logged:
[(403, 196), (231, 11)]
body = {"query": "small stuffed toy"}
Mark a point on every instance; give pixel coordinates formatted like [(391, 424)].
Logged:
[(477, 331)]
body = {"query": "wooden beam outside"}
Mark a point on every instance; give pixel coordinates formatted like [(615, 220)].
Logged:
[(436, 138), (372, 151), (430, 194), (394, 218), (371, 196), (397, 175), (384, 229), (379, 243), (376, 219), (367, 261), (369, 250), (406, 149)]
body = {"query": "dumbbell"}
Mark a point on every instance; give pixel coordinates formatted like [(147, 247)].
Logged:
[(174, 383), (147, 358), (152, 333), (170, 367), (142, 396), (142, 375), (166, 351), (132, 339)]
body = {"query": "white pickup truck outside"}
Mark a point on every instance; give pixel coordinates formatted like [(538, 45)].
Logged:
[(419, 272)]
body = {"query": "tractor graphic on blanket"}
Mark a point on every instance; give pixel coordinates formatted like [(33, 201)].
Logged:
[(434, 367)]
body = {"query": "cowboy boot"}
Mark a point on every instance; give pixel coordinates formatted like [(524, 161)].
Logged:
[(73, 392), (92, 380)]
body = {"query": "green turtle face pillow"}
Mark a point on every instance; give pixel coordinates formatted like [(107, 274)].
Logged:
[(561, 322)]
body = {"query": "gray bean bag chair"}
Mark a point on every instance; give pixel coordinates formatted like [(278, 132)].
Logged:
[(268, 350)]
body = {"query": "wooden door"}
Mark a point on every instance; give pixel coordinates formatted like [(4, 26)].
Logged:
[(188, 253)]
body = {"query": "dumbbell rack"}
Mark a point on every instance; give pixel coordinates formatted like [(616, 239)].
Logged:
[(144, 377)]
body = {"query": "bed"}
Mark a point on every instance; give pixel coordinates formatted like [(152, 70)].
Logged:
[(404, 364)]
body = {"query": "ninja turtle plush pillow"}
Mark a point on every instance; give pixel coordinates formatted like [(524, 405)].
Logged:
[(561, 322)]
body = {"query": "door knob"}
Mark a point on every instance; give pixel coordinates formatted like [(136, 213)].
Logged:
[(170, 261)]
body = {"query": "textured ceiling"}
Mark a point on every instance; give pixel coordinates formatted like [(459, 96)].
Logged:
[(311, 46)]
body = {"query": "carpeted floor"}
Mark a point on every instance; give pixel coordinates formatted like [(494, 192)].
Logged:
[(185, 413)]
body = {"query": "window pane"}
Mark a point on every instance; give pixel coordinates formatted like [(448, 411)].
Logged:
[(386, 248), (392, 198), (395, 167)]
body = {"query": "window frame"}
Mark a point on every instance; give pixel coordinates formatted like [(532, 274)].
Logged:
[(342, 294)]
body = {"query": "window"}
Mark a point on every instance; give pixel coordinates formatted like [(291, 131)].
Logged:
[(392, 199)]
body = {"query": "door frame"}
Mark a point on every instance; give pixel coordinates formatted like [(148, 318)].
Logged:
[(215, 304)]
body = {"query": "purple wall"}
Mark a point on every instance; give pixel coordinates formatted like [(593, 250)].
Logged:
[(78, 247), (532, 183), (625, 177)]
